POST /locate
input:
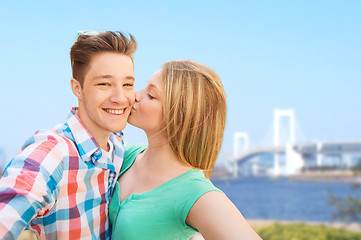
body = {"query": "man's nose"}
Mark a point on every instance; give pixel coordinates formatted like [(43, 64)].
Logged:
[(117, 95)]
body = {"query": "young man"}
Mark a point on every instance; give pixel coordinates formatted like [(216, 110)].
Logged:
[(61, 182)]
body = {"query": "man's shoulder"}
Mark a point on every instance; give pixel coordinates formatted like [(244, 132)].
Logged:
[(45, 148), (47, 140), (50, 135)]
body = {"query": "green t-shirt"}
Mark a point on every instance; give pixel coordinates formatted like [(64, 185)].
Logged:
[(161, 212)]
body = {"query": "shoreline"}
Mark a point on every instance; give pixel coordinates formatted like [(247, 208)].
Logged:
[(327, 176), (334, 176), (354, 226)]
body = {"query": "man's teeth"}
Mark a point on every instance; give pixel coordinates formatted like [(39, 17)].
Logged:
[(115, 111)]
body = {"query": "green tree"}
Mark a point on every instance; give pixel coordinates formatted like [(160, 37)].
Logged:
[(348, 208)]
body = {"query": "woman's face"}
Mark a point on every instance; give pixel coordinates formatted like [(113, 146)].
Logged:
[(147, 113)]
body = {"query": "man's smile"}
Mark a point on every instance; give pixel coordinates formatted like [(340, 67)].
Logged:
[(114, 111)]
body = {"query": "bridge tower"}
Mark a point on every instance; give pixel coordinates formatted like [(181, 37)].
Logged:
[(278, 114), (293, 159), (238, 138)]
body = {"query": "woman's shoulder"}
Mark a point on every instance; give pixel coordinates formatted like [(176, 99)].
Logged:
[(133, 150), (197, 182), (194, 186)]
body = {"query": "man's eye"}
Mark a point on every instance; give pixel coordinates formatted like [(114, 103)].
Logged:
[(103, 84), (128, 85)]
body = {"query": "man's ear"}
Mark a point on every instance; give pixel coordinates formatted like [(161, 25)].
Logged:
[(76, 88)]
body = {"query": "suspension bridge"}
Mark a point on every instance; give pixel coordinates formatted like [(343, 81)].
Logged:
[(285, 155)]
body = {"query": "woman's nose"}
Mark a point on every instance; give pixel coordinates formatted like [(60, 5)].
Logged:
[(137, 96)]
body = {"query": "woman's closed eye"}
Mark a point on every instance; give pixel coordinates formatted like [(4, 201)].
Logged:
[(150, 96)]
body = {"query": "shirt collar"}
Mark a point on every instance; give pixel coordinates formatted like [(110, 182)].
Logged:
[(84, 141)]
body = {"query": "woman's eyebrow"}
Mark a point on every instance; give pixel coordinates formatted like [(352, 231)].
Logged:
[(153, 86)]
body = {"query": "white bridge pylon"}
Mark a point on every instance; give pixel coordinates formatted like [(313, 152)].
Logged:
[(237, 138), (294, 160), (278, 114)]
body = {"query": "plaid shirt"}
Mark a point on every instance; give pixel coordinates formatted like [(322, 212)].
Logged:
[(59, 186)]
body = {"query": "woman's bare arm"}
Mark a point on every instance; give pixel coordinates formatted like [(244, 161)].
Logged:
[(216, 217)]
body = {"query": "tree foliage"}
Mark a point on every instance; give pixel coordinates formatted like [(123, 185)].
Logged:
[(348, 208)]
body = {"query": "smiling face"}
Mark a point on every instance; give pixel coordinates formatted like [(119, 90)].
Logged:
[(147, 110), (107, 94)]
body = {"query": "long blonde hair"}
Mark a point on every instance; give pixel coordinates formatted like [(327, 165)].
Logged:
[(194, 110)]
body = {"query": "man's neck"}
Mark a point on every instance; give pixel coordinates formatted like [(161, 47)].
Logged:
[(105, 146)]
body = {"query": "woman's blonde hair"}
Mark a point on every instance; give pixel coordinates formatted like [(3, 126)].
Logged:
[(194, 110)]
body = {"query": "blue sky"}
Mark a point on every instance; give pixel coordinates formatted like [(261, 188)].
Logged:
[(304, 55)]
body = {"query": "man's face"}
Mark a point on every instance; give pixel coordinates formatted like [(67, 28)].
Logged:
[(107, 95)]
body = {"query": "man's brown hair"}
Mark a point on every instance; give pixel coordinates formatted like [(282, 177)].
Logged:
[(88, 46)]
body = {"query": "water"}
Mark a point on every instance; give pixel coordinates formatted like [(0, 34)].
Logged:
[(281, 199)]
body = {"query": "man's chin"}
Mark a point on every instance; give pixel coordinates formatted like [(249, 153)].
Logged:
[(118, 128)]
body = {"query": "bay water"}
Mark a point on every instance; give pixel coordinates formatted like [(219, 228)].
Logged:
[(283, 199)]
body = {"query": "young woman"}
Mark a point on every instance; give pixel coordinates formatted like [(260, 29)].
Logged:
[(164, 190)]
